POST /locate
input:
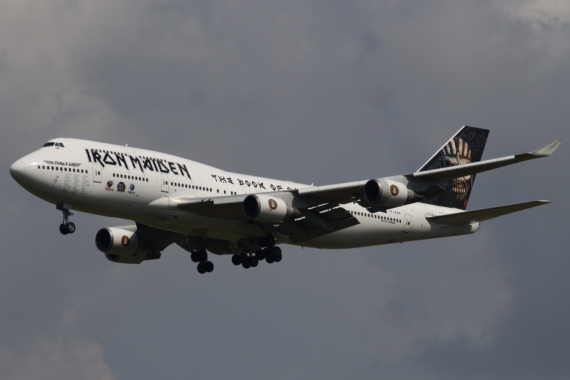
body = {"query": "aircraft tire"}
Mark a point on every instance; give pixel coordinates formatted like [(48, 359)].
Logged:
[(202, 255), (236, 259), (269, 259), (201, 268), (209, 266), (253, 261), (70, 227), (259, 254), (246, 264), (278, 256), (194, 257), (62, 229)]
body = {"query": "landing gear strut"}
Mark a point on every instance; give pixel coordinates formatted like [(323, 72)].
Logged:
[(201, 257), (66, 227)]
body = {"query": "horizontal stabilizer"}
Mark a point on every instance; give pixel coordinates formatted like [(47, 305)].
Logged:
[(453, 172), (483, 214)]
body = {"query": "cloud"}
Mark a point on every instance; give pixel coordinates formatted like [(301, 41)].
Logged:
[(318, 91), (60, 354), (549, 20)]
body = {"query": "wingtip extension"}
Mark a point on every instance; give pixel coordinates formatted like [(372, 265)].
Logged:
[(548, 149)]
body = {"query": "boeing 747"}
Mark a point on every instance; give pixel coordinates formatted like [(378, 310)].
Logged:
[(205, 209)]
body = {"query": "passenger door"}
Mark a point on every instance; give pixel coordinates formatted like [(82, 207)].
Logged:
[(407, 223), (96, 173), (164, 183)]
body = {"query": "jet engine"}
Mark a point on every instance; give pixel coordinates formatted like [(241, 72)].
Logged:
[(384, 192), (123, 246), (267, 209)]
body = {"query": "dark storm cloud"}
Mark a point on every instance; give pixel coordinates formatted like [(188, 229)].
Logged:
[(318, 91)]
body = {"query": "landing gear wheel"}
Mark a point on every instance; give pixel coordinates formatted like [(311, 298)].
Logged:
[(194, 257), (236, 260), (253, 261), (202, 268), (62, 229), (259, 254), (246, 264), (203, 255), (269, 255), (209, 266), (70, 227), (66, 227), (277, 254)]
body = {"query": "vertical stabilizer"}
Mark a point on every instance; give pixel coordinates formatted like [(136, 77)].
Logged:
[(465, 147)]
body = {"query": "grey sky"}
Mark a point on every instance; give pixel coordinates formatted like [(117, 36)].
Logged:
[(309, 91)]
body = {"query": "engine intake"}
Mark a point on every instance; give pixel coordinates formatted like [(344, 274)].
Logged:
[(123, 246), (267, 209), (384, 192)]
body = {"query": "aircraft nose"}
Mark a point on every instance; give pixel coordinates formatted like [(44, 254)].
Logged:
[(18, 170)]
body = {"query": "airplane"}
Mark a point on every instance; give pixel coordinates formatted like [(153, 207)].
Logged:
[(205, 209)]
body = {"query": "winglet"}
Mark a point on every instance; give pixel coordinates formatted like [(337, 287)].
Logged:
[(546, 150)]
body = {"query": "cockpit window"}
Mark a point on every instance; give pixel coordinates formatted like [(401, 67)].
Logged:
[(59, 144), (48, 144)]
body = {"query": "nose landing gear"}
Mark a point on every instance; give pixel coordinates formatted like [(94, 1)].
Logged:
[(66, 227)]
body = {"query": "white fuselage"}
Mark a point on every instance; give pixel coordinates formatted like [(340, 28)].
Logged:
[(122, 182)]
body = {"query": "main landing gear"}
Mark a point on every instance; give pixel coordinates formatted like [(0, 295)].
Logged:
[(201, 257), (66, 227), (251, 260)]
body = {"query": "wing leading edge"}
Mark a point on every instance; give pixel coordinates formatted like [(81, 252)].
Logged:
[(452, 172)]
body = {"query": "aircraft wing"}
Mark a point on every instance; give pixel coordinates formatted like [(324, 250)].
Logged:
[(352, 191), (313, 221), (483, 214), (453, 172)]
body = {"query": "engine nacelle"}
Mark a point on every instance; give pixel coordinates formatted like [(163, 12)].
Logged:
[(267, 209), (117, 241), (384, 192), (123, 246)]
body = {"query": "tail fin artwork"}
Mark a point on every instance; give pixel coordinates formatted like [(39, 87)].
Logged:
[(465, 147)]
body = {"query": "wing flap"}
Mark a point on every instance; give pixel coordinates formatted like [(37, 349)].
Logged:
[(317, 224), (483, 214)]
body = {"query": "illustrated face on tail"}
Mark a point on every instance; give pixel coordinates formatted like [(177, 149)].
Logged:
[(465, 147), (458, 154)]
